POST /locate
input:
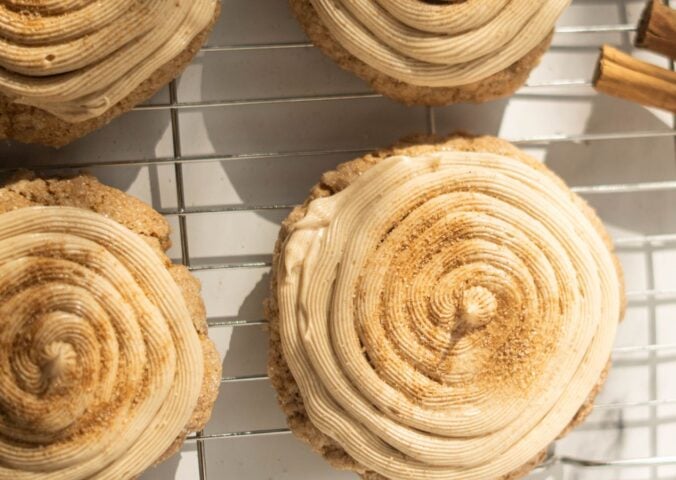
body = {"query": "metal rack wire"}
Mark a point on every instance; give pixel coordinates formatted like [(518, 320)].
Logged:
[(183, 211)]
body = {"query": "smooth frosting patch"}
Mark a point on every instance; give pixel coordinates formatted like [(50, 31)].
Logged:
[(439, 45), (446, 315), (77, 58), (100, 365)]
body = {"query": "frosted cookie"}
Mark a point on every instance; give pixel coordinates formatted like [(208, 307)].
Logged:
[(69, 67), (444, 309), (105, 362), (434, 53)]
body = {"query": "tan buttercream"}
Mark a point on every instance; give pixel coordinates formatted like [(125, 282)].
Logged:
[(77, 59), (446, 18), (445, 316), (101, 367), (439, 45)]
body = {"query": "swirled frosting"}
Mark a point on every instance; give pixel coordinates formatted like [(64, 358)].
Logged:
[(77, 58), (100, 364), (446, 315), (439, 45)]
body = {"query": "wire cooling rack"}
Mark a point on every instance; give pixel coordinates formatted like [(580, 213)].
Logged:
[(225, 152)]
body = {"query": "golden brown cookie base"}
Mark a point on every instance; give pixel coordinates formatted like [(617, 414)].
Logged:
[(86, 192), (499, 85), (333, 182), (32, 125)]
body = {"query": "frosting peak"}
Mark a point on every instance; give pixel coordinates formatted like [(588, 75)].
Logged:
[(59, 359), (478, 307)]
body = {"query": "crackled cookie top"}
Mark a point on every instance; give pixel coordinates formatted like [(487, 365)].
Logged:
[(101, 367), (440, 44), (77, 58), (447, 314)]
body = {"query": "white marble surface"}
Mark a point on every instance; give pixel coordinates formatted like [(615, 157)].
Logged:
[(208, 135)]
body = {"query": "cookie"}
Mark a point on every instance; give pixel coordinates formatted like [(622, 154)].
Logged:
[(78, 108), (106, 354), (460, 74), (436, 305)]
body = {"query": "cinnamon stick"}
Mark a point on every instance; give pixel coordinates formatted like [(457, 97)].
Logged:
[(623, 76), (657, 29)]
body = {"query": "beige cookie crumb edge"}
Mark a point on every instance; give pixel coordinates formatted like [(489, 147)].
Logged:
[(288, 393)]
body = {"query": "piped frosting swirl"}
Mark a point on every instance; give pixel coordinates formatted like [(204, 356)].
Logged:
[(439, 45), (101, 367), (446, 315), (77, 58)]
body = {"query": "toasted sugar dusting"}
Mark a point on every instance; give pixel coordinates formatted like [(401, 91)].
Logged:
[(512, 351)]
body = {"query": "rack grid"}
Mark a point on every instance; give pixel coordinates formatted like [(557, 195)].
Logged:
[(169, 166)]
